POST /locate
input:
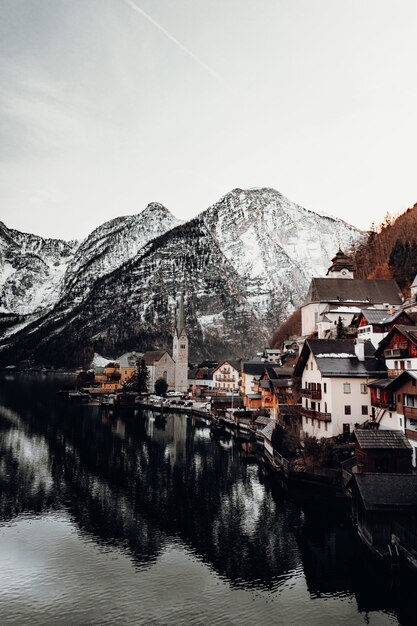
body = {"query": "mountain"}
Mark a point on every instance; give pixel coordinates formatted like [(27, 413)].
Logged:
[(244, 264), (36, 273)]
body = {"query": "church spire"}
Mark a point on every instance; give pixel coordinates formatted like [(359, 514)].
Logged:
[(180, 316)]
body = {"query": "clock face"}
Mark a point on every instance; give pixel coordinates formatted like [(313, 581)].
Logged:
[(344, 272)]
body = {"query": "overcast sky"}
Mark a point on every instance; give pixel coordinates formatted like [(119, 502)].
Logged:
[(107, 105)]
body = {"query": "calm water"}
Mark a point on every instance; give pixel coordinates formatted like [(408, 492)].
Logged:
[(136, 521)]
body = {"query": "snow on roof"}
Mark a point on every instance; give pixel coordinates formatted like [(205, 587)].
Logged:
[(100, 361)]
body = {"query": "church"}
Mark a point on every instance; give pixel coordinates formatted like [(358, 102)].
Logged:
[(342, 295), (180, 349)]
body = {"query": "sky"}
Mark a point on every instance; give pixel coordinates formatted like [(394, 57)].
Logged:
[(107, 105)]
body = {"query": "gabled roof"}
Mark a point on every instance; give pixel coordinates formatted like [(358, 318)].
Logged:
[(409, 332), (128, 359), (337, 357), (382, 316), (382, 439), (269, 429), (388, 492), (354, 291), (234, 364), (254, 368), (154, 355)]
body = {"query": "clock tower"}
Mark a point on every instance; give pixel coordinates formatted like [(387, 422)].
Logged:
[(342, 266), (180, 349)]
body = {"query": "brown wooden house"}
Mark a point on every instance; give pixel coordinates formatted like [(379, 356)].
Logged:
[(383, 451)]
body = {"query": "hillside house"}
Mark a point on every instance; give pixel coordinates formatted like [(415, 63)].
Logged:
[(334, 377), (200, 380), (375, 324), (340, 294), (394, 405), (226, 376), (110, 378)]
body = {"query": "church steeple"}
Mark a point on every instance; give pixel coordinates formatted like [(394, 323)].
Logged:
[(342, 266), (180, 322)]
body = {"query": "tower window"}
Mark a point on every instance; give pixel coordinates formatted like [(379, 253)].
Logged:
[(182, 346)]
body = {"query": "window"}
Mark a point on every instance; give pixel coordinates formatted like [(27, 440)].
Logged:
[(325, 387), (347, 409), (325, 425), (409, 365), (346, 388), (401, 365), (401, 422), (182, 346), (395, 365), (364, 388), (364, 409), (311, 365), (306, 421), (165, 376)]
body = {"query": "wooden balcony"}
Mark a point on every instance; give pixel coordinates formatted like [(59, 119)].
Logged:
[(410, 412), (383, 404), (411, 434), (324, 417), (398, 350), (314, 394)]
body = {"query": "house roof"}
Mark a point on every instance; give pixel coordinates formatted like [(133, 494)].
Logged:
[(234, 364), (254, 396), (128, 359), (263, 420), (382, 439), (354, 291), (254, 368), (388, 492), (269, 429), (153, 355), (337, 357), (381, 384), (409, 332)]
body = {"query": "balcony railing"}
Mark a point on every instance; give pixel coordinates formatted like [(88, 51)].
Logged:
[(324, 417), (397, 350), (314, 394), (225, 379), (410, 412), (411, 434), (384, 404), (394, 373)]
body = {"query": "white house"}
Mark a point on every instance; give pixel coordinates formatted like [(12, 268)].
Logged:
[(334, 377), (226, 376)]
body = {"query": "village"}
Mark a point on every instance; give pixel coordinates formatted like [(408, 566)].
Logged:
[(334, 409)]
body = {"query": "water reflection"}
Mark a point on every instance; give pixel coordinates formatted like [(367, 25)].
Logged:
[(142, 483)]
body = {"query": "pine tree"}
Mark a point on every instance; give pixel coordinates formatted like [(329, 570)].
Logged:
[(340, 329)]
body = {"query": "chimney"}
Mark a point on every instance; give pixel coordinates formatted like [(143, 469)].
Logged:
[(360, 349)]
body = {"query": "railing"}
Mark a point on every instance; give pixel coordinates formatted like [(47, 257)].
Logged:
[(225, 378), (400, 351), (394, 373), (410, 412), (384, 404), (411, 434), (324, 417), (314, 394)]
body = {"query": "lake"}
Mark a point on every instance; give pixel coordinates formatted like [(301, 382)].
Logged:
[(143, 520)]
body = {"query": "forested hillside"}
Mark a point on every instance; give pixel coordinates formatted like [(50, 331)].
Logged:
[(390, 251)]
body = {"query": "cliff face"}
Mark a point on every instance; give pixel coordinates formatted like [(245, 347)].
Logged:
[(244, 264)]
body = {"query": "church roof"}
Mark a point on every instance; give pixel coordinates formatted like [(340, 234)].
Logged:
[(355, 291), (153, 355), (341, 260)]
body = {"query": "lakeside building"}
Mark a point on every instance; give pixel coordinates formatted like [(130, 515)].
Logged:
[(226, 376), (334, 376)]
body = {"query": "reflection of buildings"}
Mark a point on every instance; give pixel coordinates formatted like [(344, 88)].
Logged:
[(172, 437)]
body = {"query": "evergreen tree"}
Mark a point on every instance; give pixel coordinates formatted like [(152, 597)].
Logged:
[(340, 329), (142, 376), (161, 387)]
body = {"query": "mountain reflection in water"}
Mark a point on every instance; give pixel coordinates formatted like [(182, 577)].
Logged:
[(210, 537)]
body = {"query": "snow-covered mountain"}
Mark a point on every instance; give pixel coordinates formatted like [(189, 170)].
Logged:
[(244, 264), (31, 270)]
